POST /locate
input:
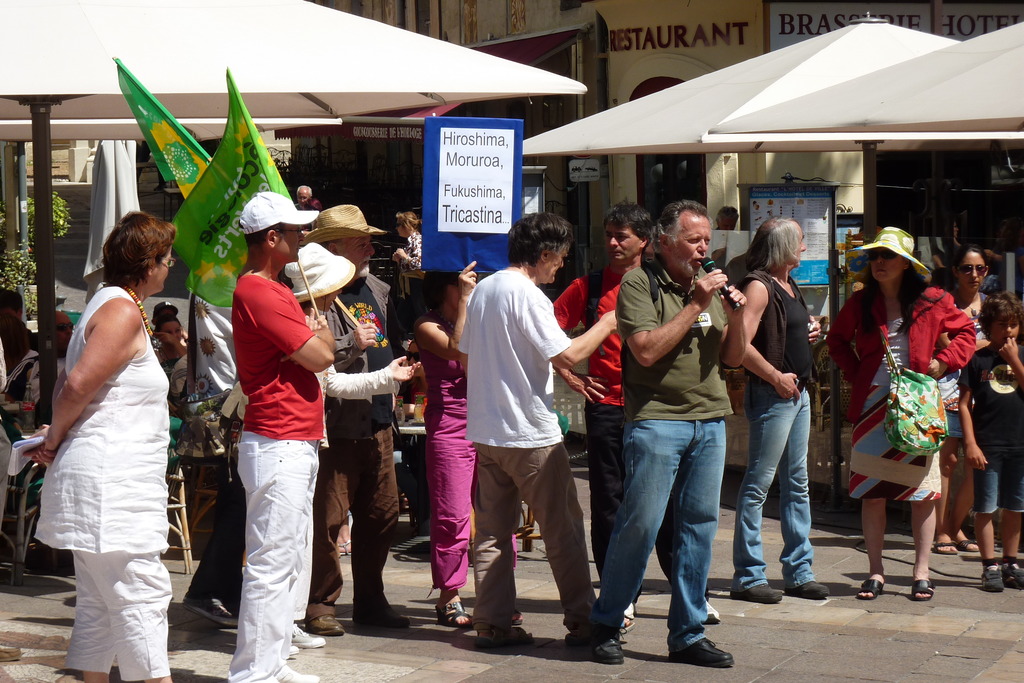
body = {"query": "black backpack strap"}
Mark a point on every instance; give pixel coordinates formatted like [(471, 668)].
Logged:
[(594, 294), (651, 280)]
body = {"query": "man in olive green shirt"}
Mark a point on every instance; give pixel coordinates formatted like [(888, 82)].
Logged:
[(678, 334)]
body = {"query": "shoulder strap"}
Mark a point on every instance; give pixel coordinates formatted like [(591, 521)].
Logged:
[(655, 295), (651, 280), (894, 368), (594, 294)]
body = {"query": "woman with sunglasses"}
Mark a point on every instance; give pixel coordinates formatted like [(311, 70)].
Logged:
[(895, 306), (970, 267)]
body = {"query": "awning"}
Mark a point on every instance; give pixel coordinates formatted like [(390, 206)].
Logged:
[(529, 49), (403, 125)]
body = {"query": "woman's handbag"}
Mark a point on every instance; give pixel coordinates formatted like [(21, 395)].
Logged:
[(211, 425), (915, 421)]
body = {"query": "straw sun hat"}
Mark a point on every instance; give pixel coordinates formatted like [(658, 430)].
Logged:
[(896, 241), (338, 222), (325, 271)]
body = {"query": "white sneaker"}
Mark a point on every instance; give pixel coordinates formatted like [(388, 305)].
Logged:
[(713, 616), (286, 675), (292, 651), (304, 640)]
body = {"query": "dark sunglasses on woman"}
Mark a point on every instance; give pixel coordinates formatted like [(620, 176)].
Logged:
[(874, 254), (967, 268)]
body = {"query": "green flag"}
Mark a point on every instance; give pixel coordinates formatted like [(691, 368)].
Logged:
[(176, 153), (209, 237)]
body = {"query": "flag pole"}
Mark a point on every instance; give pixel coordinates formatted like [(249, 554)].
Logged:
[(309, 290)]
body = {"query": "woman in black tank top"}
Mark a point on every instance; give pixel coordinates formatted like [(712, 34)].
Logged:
[(778, 365)]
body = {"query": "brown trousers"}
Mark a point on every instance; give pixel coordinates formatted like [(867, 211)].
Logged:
[(541, 477), (359, 473)]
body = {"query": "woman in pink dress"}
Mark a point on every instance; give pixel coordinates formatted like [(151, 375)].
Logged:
[(451, 459)]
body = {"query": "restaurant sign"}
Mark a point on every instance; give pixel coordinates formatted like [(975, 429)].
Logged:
[(677, 36), (792, 22)]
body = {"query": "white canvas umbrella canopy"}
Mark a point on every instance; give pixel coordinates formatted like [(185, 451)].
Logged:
[(290, 58), (971, 87), (675, 119)]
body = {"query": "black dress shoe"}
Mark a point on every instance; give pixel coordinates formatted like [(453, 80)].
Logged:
[(811, 590), (385, 617), (605, 644), (702, 653), (761, 593)]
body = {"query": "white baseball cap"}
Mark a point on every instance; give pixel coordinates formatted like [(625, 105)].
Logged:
[(267, 209)]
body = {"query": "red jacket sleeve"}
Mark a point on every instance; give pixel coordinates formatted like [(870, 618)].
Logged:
[(962, 337), (841, 335)]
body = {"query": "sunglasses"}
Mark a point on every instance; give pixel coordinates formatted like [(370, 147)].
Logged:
[(64, 327), (967, 269), (875, 254)]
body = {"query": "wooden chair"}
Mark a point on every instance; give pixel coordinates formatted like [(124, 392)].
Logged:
[(177, 509)]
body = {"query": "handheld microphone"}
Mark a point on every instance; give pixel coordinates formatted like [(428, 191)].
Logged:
[(707, 265)]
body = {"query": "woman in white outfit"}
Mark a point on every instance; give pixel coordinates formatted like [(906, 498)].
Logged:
[(105, 493)]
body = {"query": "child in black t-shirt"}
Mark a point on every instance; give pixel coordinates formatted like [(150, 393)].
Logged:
[(992, 416)]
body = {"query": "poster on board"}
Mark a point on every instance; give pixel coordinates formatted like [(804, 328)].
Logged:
[(813, 207), (472, 191)]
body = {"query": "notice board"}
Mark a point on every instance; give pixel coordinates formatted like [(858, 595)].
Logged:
[(814, 208)]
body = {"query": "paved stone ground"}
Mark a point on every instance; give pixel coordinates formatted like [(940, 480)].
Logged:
[(962, 634)]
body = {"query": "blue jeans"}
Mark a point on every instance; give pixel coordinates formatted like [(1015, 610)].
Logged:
[(779, 430), (682, 461)]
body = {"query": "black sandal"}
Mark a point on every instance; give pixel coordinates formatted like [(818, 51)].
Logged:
[(924, 587), (873, 588), (450, 614)]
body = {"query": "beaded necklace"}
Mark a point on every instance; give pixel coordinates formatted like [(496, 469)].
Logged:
[(145, 318)]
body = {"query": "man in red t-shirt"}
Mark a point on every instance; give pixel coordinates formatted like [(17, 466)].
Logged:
[(278, 351), (628, 229)]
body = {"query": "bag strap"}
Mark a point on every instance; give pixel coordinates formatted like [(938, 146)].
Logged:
[(894, 368)]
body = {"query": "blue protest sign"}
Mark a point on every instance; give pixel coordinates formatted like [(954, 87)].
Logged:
[(472, 191)]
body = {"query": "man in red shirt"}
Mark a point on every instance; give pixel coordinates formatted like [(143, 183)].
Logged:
[(628, 229), (278, 350)]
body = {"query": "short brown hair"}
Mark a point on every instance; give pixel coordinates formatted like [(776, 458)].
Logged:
[(998, 307), (135, 245)]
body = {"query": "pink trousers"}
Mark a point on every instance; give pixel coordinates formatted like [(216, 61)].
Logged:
[(451, 476)]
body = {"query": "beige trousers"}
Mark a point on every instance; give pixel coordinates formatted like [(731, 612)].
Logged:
[(541, 477)]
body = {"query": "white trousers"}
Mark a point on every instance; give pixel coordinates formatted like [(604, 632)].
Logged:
[(121, 611), (278, 477)]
